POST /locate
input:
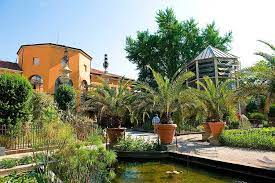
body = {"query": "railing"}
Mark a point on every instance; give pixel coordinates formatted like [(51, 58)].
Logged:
[(25, 137)]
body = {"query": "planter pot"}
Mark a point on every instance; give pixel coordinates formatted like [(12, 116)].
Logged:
[(166, 132), (207, 132), (216, 128), (114, 134)]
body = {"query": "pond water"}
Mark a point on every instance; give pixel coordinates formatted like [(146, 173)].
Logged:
[(161, 172)]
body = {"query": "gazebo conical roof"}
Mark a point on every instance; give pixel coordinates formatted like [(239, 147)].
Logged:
[(211, 52)]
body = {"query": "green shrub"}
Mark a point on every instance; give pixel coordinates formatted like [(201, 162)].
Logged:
[(77, 163), (135, 145), (65, 97), (15, 96), (25, 160), (257, 138), (8, 163), (44, 108), (234, 125), (255, 104), (258, 116), (272, 110), (30, 177), (252, 106)]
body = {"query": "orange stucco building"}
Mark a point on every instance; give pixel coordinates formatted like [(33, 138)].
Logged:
[(42, 65)]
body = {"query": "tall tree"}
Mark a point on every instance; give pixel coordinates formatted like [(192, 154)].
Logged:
[(172, 45)]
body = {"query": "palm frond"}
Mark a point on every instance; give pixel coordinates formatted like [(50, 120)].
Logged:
[(268, 44)]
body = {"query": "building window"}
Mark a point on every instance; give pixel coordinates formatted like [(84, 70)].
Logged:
[(36, 61), (85, 68)]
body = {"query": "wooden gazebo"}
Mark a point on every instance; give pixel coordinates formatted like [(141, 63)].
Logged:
[(212, 62)]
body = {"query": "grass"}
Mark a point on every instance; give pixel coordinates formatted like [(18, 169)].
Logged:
[(257, 138)]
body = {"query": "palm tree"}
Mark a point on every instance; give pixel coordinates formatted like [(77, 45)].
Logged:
[(220, 99), (270, 58), (260, 78), (166, 97), (110, 102)]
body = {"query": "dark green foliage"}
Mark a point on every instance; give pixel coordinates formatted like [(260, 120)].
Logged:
[(135, 145), (259, 138), (255, 104), (272, 111), (252, 106), (174, 44), (65, 97), (15, 96), (234, 125)]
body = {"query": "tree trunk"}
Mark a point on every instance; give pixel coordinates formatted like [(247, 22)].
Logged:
[(166, 118), (267, 103)]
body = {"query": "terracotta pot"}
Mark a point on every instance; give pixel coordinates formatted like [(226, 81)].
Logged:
[(207, 131), (216, 128), (114, 134), (166, 132)]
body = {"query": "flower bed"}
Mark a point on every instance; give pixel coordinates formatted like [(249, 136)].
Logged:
[(260, 138)]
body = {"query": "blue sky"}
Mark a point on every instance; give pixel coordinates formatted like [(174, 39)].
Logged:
[(101, 26)]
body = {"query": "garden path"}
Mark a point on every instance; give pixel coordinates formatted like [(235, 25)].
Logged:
[(191, 144)]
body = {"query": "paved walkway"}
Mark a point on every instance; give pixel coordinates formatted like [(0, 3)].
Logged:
[(191, 144)]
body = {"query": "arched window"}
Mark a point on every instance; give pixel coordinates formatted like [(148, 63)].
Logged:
[(37, 82), (84, 85), (58, 83)]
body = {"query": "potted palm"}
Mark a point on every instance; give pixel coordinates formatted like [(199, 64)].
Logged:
[(111, 105), (220, 101), (164, 98)]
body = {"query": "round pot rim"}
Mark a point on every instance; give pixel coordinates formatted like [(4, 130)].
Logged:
[(215, 122), (166, 124)]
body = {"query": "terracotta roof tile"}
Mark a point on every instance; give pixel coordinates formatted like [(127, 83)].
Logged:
[(99, 72), (9, 65)]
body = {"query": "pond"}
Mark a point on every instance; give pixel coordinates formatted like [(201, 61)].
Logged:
[(162, 172)]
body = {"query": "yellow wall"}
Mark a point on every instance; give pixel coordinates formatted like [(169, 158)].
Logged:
[(84, 75), (50, 64)]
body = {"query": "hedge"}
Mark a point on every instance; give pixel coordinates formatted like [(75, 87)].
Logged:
[(257, 138)]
